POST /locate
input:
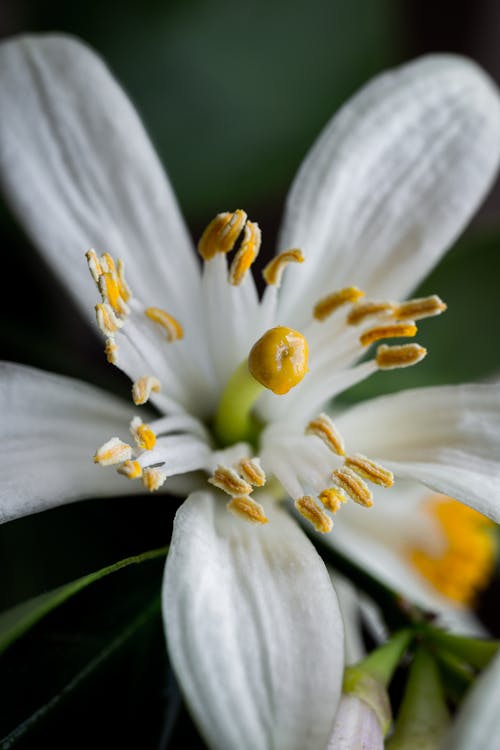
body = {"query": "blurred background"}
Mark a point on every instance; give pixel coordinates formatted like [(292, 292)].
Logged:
[(233, 95)]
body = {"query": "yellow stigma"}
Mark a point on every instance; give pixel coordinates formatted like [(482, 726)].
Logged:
[(279, 359), (327, 305), (465, 564), (221, 234)]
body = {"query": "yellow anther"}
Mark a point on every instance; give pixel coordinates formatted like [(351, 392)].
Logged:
[(115, 451), (324, 428), (245, 256), (394, 330), (416, 309), (108, 264), (108, 286), (327, 305), (221, 234), (370, 470), (394, 357), (111, 351), (94, 265), (170, 325), (122, 284), (153, 479), (248, 509), (465, 563), (143, 387), (354, 486), (273, 272), (251, 470), (143, 435), (130, 469), (308, 508), (363, 310), (229, 481), (332, 498), (106, 319), (278, 360)]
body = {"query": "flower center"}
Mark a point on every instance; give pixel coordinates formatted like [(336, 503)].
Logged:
[(464, 565)]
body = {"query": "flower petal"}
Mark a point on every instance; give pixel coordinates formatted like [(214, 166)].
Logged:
[(445, 437), (391, 182), (356, 726), (52, 427), (253, 629), (78, 170)]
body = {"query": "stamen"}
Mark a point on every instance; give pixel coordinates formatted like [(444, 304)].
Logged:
[(332, 498), (130, 469), (122, 284), (113, 452), (93, 264), (393, 357), (423, 307), (363, 310), (370, 470), (324, 428), (308, 508), (327, 305), (394, 330), (109, 288), (106, 319), (246, 255), (278, 360), (142, 389), (143, 435), (251, 470), (273, 272), (153, 479), (221, 234), (354, 486), (108, 264), (111, 351), (229, 481), (248, 509), (171, 326)]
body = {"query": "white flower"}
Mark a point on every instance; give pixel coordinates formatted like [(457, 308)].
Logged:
[(253, 626)]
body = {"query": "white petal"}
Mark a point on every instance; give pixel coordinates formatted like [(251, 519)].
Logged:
[(78, 170), (445, 437), (391, 182), (253, 629), (52, 426), (356, 727), (477, 725), (349, 603)]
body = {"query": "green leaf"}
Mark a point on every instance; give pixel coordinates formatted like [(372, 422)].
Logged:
[(16, 621)]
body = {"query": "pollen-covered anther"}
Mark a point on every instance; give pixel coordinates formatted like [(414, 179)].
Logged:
[(94, 265), (110, 292), (417, 309), (370, 470), (153, 479), (309, 508), (247, 508), (143, 388), (354, 486), (394, 357), (221, 234), (111, 351), (273, 272), (130, 469), (144, 437), (122, 284), (332, 498), (324, 428), (114, 451), (229, 481), (170, 325), (245, 256), (388, 331), (252, 472), (278, 360), (327, 305), (362, 310), (106, 319)]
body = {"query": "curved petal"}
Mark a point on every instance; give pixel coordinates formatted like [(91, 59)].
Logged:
[(253, 628), (391, 182), (52, 427), (477, 724), (356, 726), (445, 437), (79, 171)]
